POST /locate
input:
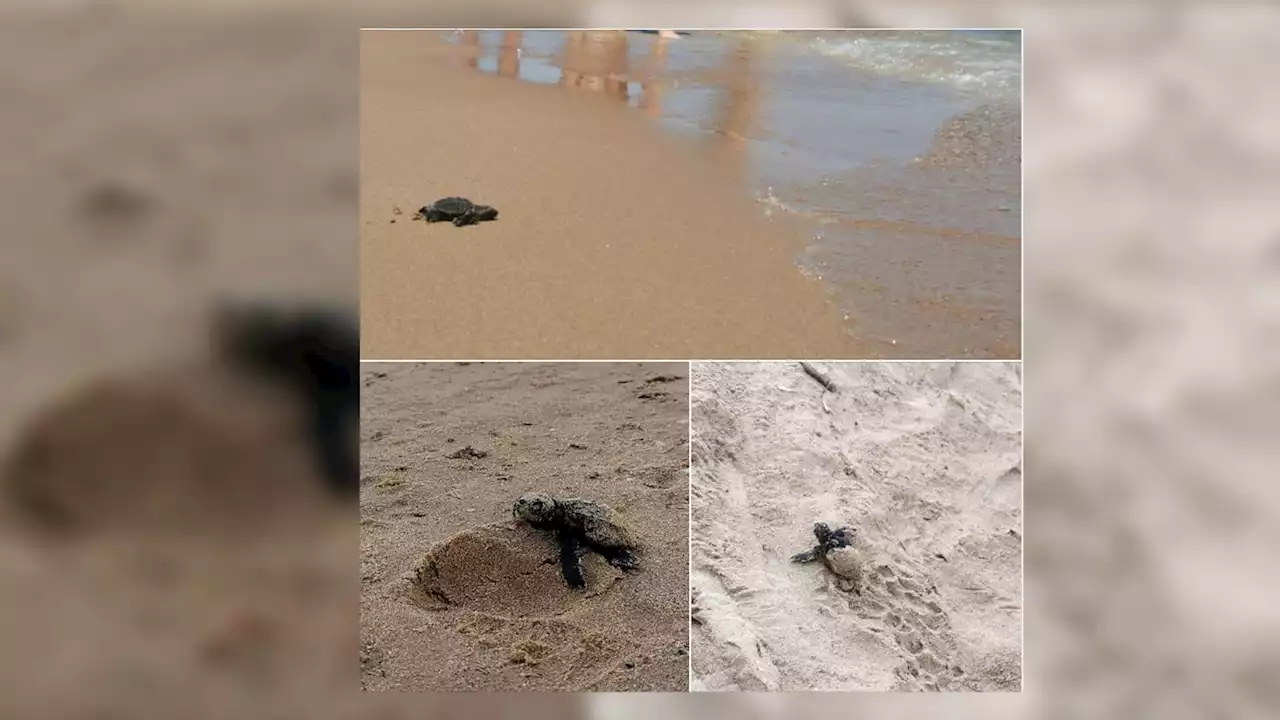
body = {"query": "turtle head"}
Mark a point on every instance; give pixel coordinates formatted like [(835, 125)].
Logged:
[(534, 508), (828, 538), (255, 334)]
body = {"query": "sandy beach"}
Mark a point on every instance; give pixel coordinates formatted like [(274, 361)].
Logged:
[(456, 594), (614, 240), (923, 461), (725, 195)]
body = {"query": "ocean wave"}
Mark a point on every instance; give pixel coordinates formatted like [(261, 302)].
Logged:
[(982, 64), (772, 203)]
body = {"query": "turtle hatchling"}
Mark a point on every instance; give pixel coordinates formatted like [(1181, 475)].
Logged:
[(836, 551), (579, 526), (460, 211)]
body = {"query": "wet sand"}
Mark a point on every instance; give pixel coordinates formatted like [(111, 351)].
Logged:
[(926, 257), (455, 594), (614, 240)]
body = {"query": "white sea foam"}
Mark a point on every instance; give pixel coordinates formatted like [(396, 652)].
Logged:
[(989, 66)]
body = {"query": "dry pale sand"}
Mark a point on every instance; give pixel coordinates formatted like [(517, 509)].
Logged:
[(924, 460), (456, 595), (614, 240)]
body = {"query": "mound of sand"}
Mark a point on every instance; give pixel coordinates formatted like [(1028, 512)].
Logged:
[(499, 587), (924, 460), (186, 451), (504, 569)]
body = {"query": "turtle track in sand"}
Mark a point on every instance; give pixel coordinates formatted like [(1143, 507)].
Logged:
[(899, 601)]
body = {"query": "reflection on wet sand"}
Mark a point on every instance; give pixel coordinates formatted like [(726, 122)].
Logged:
[(596, 60), (653, 86), (739, 108), (735, 116), (509, 54), (570, 58), (471, 41), (599, 60)]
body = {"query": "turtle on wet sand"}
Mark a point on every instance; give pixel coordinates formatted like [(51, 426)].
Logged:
[(579, 525), (458, 210), (836, 551)]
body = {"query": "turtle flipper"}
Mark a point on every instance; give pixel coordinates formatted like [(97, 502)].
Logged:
[(570, 562), (807, 556), (333, 419), (484, 213), (466, 218)]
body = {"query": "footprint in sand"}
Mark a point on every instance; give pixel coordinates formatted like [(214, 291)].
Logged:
[(870, 608), (911, 643), (906, 606), (911, 588), (884, 573)]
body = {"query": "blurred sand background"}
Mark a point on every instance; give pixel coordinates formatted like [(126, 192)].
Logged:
[(454, 593), (1148, 363), (923, 460)]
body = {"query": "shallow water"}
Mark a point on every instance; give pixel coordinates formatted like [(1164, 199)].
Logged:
[(900, 150)]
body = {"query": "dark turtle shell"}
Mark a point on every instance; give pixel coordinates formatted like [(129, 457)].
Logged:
[(828, 540), (460, 211), (452, 206)]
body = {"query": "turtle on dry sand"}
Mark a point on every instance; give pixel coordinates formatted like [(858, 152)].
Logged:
[(579, 525), (458, 210), (836, 551)]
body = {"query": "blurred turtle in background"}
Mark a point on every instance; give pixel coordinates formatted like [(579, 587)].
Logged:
[(315, 352)]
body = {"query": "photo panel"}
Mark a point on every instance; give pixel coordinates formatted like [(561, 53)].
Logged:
[(524, 526), (856, 526)]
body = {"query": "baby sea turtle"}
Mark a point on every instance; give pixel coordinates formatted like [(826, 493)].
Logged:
[(836, 551), (459, 211), (579, 525), (314, 351)]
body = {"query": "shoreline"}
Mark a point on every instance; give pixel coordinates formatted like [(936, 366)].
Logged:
[(615, 240)]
